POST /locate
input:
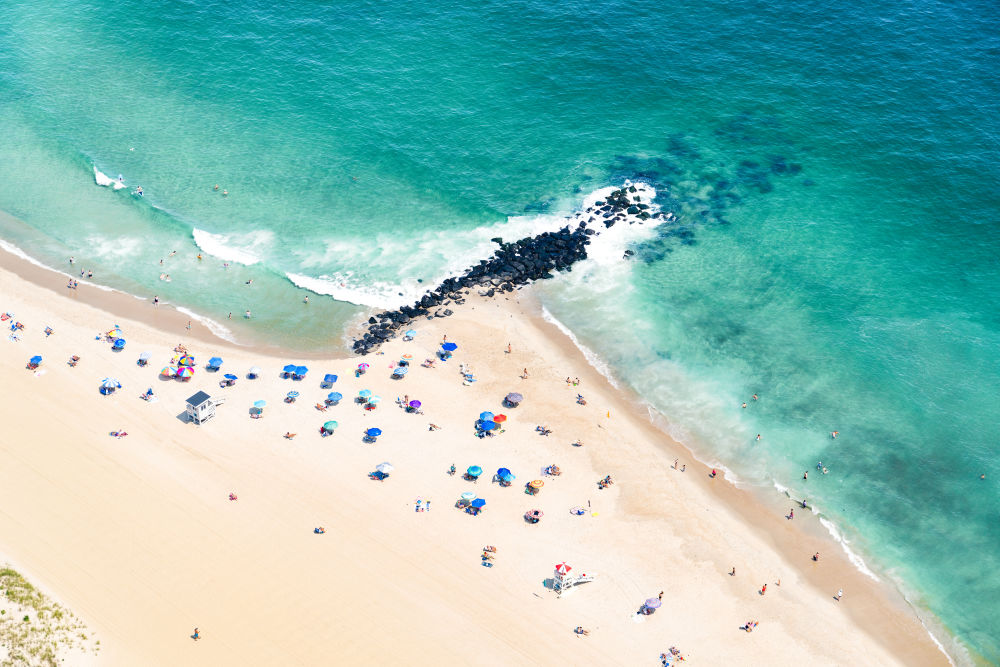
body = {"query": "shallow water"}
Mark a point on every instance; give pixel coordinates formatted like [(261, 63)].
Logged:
[(833, 168)]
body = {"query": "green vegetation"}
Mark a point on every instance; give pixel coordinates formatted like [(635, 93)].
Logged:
[(45, 633)]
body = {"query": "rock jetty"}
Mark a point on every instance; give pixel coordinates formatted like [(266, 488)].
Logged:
[(518, 263)]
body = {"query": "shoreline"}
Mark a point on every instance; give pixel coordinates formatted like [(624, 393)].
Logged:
[(868, 609)]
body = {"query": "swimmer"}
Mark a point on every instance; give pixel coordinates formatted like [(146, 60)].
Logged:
[(225, 265), (225, 193), (138, 190), (216, 187), (834, 434), (758, 436), (199, 255), (172, 253), (744, 404), (250, 282), (306, 300)]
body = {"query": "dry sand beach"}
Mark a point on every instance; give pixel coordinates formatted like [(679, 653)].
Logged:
[(137, 535)]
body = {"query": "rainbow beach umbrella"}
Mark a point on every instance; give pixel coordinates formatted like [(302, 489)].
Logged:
[(168, 371)]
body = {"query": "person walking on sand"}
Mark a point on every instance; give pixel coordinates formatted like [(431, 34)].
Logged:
[(763, 589), (197, 635), (791, 513), (840, 594), (733, 573), (660, 596), (156, 301), (524, 374), (509, 351)]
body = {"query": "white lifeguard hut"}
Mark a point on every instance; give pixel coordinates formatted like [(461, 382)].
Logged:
[(201, 407), (563, 580)]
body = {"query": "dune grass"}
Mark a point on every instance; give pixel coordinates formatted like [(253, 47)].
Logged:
[(35, 630)]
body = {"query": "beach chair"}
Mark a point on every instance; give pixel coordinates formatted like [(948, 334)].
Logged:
[(73, 360)]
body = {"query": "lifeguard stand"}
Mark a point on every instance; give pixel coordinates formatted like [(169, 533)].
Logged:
[(201, 407), (563, 580)]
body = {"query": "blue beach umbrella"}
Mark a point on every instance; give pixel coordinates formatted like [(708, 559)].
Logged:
[(35, 360), (486, 416), (411, 333), (504, 474), (474, 471), (365, 393), (119, 343), (449, 347), (329, 378), (478, 502), (259, 404), (334, 396), (301, 370), (487, 425), (215, 362), (230, 376), (293, 394), (402, 370), (290, 368), (373, 432)]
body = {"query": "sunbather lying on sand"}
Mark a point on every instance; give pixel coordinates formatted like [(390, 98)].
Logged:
[(290, 435), (321, 407)]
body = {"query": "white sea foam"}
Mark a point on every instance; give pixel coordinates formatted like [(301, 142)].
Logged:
[(14, 250), (381, 271), (243, 248), (213, 326), (345, 287), (852, 556), (592, 358), (104, 180)]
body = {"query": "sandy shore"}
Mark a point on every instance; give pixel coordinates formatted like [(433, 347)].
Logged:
[(138, 537)]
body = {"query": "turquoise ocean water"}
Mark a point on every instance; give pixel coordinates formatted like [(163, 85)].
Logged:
[(834, 168)]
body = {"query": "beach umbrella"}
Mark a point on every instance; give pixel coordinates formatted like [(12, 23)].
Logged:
[(365, 393), (536, 484), (301, 370), (411, 333), (534, 515), (478, 502), (488, 425), (334, 396), (35, 360), (329, 426), (407, 358), (111, 383), (118, 343), (474, 471), (468, 495), (116, 333), (144, 356), (375, 399), (563, 568), (292, 394), (186, 360), (499, 419), (449, 347), (259, 404), (385, 468), (329, 378), (168, 371), (290, 368), (486, 416), (402, 370), (215, 362), (653, 603), (230, 376), (185, 372), (514, 397), (254, 371), (415, 404), (363, 367), (373, 432), (505, 474)]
